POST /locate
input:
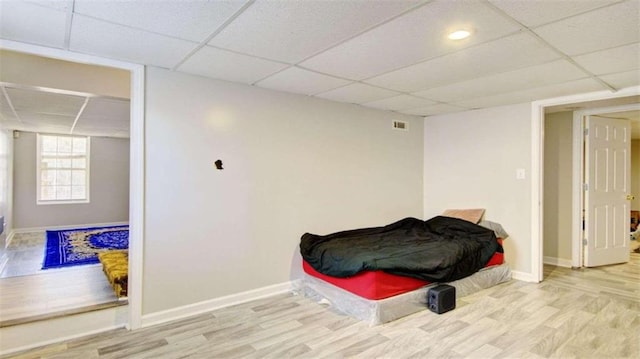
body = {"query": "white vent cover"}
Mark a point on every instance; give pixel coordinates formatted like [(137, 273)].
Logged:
[(400, 125)]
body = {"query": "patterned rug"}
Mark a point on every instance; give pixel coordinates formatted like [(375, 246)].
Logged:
[(72, 247)]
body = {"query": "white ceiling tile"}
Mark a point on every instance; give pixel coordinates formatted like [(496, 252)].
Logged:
[(604, 28), (34, 101), (437, 109), (104, 39), (513, 52), (534, 94), (534, 76), (535, 13), (102, 124), (225, 65), (357, 93), (401, 102), (61, 121), (416, 36), (301, 81), (31, 23), (105, 113), (290, 31), (189, 20), (618, 59), (623, 79)]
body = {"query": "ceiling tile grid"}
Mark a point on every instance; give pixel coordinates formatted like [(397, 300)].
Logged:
[(512, 52), (400, 102), (617, 59), (438, 109), (536, 13), (291, 31), (357, 93), (411, 38), (229, 66), (531, 94), (604, 28), (96, 37), (385, 54), (297, 80), (188, 20), (528, 77)]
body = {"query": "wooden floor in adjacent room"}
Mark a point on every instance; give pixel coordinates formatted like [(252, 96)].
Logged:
[(586, 313), (54, 293)]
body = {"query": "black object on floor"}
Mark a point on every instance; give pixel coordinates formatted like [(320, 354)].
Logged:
[(441, 298)]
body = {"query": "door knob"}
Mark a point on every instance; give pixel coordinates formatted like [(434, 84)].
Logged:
[(630, 197)]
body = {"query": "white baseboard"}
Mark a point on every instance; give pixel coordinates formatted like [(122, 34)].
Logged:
[(70, 226), (525, 277), (557, 262), (213, 304)]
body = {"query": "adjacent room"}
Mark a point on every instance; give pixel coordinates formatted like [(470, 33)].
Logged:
[(411, 178), (68, 168)]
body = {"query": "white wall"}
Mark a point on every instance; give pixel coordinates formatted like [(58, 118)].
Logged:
[(6, 164), (635, 174), (470, 162), (109, 186), (292, 164), (558, 185)]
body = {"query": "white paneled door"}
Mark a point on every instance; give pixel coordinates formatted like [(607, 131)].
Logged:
[(607, 178)]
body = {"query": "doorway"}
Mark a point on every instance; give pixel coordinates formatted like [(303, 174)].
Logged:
[(136, 161), (561, 180)]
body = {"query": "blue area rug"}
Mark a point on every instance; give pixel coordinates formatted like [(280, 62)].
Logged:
[(72, 247)]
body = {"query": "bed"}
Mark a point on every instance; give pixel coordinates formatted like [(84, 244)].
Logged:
[(380, 274)]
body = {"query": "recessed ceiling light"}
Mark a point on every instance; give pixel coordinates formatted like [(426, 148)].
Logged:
[(459, 34)]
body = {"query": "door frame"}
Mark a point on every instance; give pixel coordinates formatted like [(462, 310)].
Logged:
[(537, 165), (577, 208), (136, 159)]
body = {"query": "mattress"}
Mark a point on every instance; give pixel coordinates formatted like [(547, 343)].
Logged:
[(381, 311), (378, 284)]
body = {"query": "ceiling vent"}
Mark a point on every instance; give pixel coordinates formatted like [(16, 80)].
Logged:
[(400, 125)]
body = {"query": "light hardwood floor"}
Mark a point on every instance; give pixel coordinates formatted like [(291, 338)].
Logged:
[(54, 293), (29, 293), (586, 313)]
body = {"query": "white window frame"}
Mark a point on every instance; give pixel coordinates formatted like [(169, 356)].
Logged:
[(39, 199)]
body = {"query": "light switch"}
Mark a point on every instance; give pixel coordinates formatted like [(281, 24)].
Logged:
[(520, 173)]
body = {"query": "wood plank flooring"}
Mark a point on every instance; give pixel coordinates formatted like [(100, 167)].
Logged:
[(54, 293), (29, 293), (586, 313)]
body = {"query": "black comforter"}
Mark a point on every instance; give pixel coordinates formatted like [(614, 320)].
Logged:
[(441, 249)]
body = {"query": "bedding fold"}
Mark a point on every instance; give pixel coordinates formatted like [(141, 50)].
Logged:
[(440, 249)]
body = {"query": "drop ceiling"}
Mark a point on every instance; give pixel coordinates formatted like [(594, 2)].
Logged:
[(391, 55)]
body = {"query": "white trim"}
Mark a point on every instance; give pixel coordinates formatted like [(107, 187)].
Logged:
[(71, 226), (560, 262), (537, 172), (537, 158), (577, 192), (136, 171), (213, 304), (17, 338), (522, 276), (136, 197)]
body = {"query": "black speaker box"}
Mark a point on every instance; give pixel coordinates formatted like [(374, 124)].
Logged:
[(441, 298)]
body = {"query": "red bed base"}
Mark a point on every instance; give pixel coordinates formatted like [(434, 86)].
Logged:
[(378, 284)]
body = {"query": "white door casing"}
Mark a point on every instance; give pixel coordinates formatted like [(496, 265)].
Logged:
[(607, 179)]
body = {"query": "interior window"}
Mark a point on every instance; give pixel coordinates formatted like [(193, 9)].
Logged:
[(63, 169)]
